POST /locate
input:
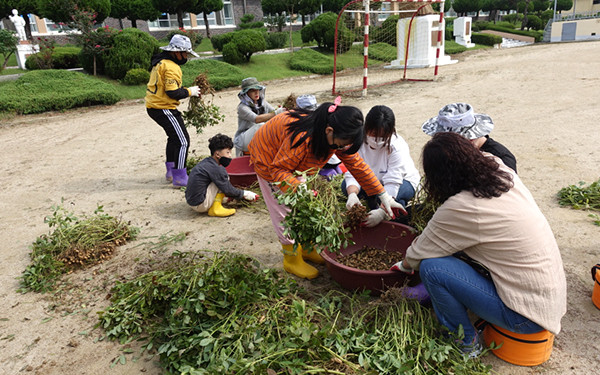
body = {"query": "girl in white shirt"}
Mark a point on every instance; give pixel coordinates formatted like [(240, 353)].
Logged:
[(388, 156)]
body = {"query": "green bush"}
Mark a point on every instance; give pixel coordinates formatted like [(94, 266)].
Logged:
[(452, 48), (137, 76), (62, 58), (322, 30), (383, 52), (54, 90), (479, 25), (276, 40), (505, 24), (387, 32), (195, 37), (513, 18), (486, 39), (218, 41), (246, 42), (231, 54), (534, 22), (309, 60), (132, 49), (538, 35), (220, 74), (247, 22)]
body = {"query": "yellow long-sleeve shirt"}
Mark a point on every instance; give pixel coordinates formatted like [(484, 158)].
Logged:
[(165, 76)]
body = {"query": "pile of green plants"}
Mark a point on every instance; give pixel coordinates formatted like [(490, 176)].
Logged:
[(201, 111), (62, 58), (220, 74), (316, 220), (54, 90), (73, 243), (582, 197), (221, 313), (309, 60)]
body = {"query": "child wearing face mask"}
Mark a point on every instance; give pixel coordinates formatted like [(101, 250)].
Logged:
[(389, 158), (209, 186)]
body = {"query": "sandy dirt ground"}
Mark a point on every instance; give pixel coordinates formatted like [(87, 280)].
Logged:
[(542, 98)]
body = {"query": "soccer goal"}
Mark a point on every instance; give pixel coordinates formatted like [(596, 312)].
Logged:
[(396, 35)]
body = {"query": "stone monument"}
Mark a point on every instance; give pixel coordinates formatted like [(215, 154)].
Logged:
[(462, 31)]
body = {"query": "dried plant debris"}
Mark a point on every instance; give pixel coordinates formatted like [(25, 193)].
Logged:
[(371, 259)]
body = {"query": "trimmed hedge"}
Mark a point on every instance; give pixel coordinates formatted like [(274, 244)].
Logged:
[(54, 90), (62, 58), (322, 30), (452, 48), (218, 41), (137, 76), (486, 39), (220, 74), (309, 60), (132, 49), (538, 35), (383, 52)]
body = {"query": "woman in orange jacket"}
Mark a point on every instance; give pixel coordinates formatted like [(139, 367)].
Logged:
[(304, 141)]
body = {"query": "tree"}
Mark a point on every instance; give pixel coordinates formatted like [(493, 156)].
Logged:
[(333, 5), (306, 7), (206, 7), (133, 10), (524, 7), (177, 7), (61, 10), (540, 5), (493, 6), (462, 7), (276, 7), (563, 5), (8, 46), (24, 7)]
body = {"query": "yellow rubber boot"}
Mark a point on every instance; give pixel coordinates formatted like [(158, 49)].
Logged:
[(217, 208), (294, 264), (312, 255)]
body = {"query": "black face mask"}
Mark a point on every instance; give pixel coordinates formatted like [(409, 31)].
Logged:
[(180, 61), (224, 161)]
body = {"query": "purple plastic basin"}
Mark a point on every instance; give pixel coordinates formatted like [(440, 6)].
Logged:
[(388, 236), (241, 173)]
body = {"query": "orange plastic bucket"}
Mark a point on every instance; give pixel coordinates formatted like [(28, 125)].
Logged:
[(517, 348), (596, 292)]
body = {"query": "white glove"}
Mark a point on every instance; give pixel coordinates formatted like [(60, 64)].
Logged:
[(352, 200), (250, 196), (375, 217), (279, 110), (194, 91), (388, 203)]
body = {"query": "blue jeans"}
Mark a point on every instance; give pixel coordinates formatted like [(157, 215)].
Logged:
[(455, 287), (405, 193)]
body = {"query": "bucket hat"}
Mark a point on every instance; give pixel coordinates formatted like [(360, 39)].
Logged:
[(307, 102), (459, 118), (180, 43), (250, 83)]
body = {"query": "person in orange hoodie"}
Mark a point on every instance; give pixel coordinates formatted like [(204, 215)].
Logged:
[(302, 140)]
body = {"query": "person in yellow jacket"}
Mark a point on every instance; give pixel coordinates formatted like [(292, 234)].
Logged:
[(163, 93)]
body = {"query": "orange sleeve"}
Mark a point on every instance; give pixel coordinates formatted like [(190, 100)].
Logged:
[(362, 173)]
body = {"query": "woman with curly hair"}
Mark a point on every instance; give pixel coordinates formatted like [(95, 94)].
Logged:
[(486, 213)]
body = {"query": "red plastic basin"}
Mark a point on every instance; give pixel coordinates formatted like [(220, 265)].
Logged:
[(388, 236), (241, 173)]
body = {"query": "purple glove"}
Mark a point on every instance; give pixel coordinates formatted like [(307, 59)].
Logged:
[(328, 173), (416, 292)]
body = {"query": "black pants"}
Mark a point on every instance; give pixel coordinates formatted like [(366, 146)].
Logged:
[(178, 139)]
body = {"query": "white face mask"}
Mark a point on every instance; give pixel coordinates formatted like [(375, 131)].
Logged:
[(375, 143)]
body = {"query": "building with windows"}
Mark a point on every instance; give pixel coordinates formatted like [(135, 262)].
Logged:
[(219, 22)]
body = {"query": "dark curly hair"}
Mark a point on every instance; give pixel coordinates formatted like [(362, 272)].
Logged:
[(219, 142), (452, 164)]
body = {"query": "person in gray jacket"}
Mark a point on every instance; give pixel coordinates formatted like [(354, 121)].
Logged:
[(209, 186), (253, 111)]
